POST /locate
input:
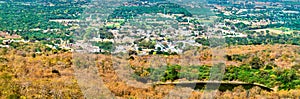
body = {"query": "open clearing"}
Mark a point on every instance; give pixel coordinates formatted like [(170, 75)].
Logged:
[(277, 30)]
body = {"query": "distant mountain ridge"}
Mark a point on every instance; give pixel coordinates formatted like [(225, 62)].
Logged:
[(50, 1)]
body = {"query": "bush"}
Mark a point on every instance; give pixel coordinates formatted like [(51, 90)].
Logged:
[(296, 67), (256, 63), (172, 72)]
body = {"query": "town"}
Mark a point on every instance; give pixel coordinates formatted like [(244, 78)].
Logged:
[(165, 32), (165, 27)]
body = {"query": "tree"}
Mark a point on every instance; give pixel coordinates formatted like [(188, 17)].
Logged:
[(172, 72), (267, 31), (256, 63), (140, 49), (296, 67)]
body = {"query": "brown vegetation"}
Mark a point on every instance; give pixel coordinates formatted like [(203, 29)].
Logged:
[(50, 74)]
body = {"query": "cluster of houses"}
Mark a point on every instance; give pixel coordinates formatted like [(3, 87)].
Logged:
[(168, 35), (163, 30)]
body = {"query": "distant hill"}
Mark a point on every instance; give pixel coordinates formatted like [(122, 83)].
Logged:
[(50, 1), (153, 0)]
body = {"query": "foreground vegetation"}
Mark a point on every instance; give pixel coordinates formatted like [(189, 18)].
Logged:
[(269, 74), (49, 74)]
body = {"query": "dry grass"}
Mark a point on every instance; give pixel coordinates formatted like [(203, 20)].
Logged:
[(33, 77)]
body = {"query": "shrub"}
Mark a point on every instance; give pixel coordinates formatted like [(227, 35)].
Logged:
[(256, 63)]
